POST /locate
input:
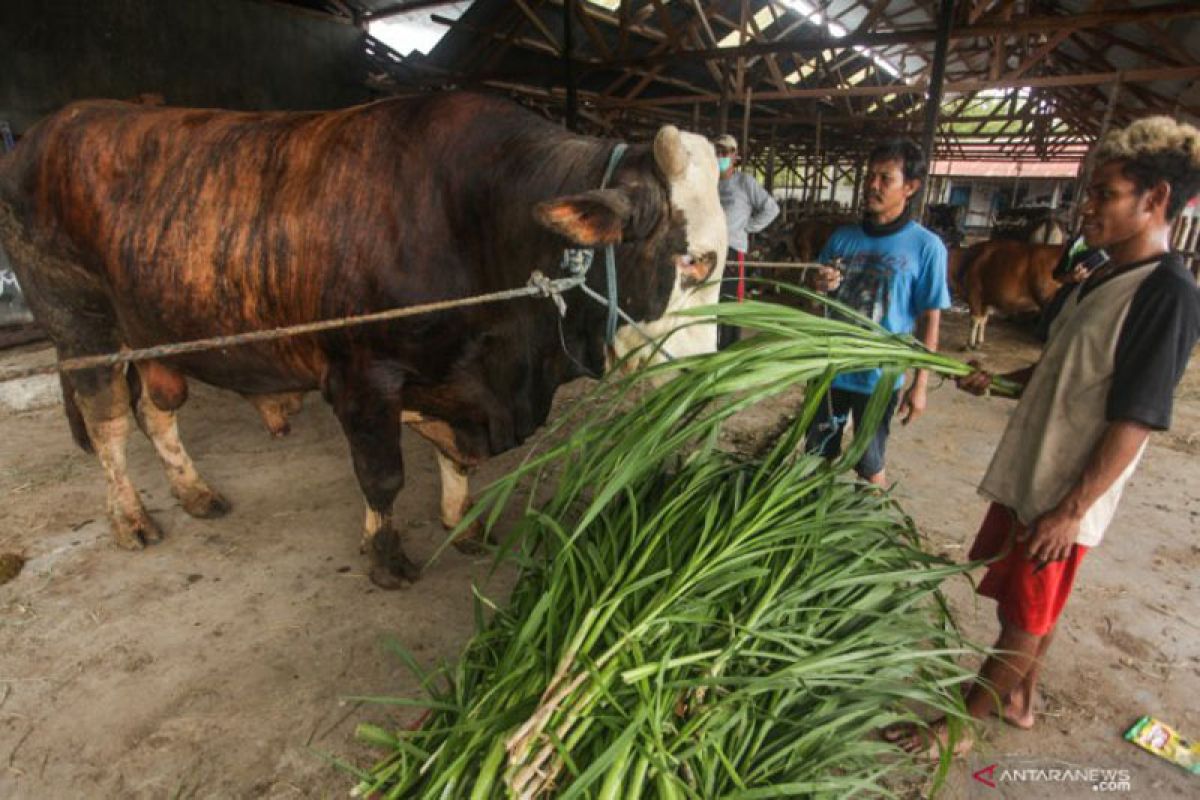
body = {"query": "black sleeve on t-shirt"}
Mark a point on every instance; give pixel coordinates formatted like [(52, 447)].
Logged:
[(1154, 344)]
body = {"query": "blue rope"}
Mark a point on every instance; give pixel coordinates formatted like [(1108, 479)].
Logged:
[(610, 270), (835, 424), (610, 254)]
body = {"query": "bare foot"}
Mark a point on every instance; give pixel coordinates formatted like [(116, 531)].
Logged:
[(930, 741), (1018, 710)]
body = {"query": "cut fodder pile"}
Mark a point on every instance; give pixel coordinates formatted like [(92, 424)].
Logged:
[(688, 624)]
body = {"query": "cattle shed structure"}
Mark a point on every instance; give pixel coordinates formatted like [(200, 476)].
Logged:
[(808, 86)]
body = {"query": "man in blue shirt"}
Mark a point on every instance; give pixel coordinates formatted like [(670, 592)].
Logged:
[(894, 272)]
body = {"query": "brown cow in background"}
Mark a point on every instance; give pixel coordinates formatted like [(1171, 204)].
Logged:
[(1003, 275), (811, 233)]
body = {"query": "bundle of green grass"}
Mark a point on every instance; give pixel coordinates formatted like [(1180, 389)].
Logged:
[(689, 622)]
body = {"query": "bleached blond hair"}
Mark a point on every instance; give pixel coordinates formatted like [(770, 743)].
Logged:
[(1157, 149)]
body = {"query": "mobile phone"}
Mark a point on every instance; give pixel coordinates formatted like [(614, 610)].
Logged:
[(1092, 261), (1088, 260)]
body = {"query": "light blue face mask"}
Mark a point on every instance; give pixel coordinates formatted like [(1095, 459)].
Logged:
[(724, 163)]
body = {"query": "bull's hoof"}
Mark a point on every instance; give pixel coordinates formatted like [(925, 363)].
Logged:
[(135, 534), (205, 504), (385, 579), (390, 567), (472, 541), (469, 547)]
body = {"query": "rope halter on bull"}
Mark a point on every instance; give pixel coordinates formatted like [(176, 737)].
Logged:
[(577, 262)]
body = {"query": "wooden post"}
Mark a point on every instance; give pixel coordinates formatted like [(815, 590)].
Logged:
[(804, 172), (1089, 163), (933, 98), (769, 183), (723, 107), (819, 162), (569, 66), (856, 201), (740, 83), (746, 122), (1185, 238)]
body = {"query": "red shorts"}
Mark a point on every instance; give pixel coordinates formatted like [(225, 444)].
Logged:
[(1028, 599)]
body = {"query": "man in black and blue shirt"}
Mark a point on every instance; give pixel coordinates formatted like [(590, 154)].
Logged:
[(893, 271)]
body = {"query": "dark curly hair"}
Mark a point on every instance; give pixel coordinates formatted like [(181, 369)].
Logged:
[(1157, 149), (906, 151)]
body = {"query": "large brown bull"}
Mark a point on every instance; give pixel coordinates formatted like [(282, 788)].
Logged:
[(131, 226)]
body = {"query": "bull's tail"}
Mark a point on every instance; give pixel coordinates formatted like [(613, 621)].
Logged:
[(74, 416)]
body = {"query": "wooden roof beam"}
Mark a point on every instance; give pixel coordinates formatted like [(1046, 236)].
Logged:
[(1041, 81), (594, 35), (1039, 54), (621, 20), (537, 23), (873, 16), (540, 46), (702, 24), (1034, 24), (850, 120), (1163, 56), (396, 9), (772, 64), (1148, 97)]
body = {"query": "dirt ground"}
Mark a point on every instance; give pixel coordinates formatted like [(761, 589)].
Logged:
[(225, 662)]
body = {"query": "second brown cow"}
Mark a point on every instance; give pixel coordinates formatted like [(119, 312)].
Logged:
[(1006, 276)]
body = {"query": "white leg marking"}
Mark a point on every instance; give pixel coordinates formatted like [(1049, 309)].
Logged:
[(106, 416), (196, 496), (375, 522), (456, 491)]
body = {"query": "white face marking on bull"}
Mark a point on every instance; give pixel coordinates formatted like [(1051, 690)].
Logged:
[(690, 164)]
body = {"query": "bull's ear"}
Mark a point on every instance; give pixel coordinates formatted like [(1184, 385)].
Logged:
[(590, 219), (669, 152)]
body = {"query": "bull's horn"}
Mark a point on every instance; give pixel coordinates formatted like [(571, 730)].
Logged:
[(669, 152)]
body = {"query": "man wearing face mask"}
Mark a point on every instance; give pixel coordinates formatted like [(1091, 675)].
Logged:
[(749, 208), (894, 272)]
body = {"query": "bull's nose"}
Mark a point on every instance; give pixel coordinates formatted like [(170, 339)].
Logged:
[(695, 268)]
